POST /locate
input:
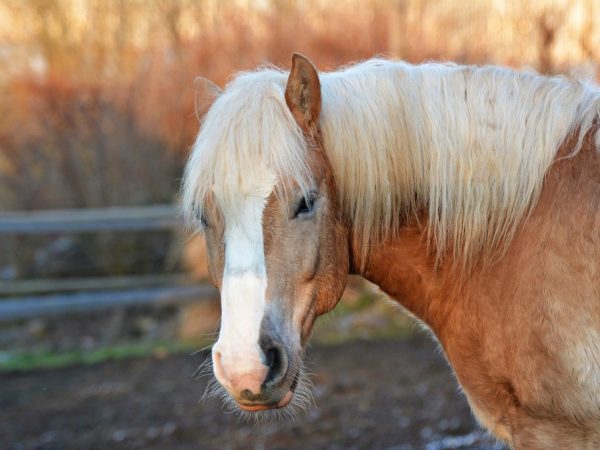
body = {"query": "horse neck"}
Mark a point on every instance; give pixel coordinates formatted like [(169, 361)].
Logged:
[(403, 266)]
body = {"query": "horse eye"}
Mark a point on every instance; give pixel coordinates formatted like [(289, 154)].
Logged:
[(203, 221), (305, 206)]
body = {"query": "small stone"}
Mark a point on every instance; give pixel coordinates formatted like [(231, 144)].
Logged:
[(169, 428), (119, 435), (152, 433), (426, 432)]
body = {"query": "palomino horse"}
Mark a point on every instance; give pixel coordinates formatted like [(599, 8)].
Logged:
[(471, 195)]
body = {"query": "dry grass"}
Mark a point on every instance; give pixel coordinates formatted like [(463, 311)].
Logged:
[(97, 95)]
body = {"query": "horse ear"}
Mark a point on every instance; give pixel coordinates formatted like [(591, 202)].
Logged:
[(303, 92), (206, 94)]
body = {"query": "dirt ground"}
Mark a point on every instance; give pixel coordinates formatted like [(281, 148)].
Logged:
[(369, 395)]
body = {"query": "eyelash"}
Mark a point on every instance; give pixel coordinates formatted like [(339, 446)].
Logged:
[(203, 221), (306, 205)]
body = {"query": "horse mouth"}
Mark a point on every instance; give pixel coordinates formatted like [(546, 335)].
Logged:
[(263, 407), (285, 400)]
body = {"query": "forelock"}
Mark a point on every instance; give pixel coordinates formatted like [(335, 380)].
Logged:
[(248, 139)]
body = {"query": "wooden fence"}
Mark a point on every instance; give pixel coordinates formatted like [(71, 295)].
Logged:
[(140, 218), (34, 298)]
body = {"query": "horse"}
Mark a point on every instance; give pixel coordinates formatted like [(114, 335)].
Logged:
[(469, 194)]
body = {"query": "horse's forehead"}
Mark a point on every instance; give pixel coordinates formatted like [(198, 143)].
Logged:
[(246, 200)]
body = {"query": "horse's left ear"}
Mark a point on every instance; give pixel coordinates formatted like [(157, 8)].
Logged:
[(303, 92), (206, 94)]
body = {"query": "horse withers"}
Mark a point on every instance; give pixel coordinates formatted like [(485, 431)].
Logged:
[(470, 195)]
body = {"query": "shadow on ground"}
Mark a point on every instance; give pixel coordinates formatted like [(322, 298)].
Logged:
[(369, 395)]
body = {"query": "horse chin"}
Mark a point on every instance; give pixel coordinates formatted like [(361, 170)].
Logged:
[(280, 404)]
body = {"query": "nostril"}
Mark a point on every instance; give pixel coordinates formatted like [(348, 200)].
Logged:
[(276, 361), (273, 363), (247, 394)]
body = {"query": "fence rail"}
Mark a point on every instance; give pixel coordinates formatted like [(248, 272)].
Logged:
[(19, 299), (154, 217), (48, 305), (54, 286)]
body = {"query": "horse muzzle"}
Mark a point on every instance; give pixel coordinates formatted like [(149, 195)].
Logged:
[(258, 377)]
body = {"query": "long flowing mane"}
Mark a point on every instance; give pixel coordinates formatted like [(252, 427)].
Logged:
[(468, 146)]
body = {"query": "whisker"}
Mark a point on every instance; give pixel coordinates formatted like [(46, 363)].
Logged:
[(195, 352), (301, 401)]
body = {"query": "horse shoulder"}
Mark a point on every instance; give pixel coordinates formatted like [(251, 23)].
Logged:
[(524, 335)]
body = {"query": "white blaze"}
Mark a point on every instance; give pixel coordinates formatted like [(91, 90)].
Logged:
[(243, 288)]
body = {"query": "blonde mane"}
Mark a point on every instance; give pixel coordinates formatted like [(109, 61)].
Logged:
[(468, 145)]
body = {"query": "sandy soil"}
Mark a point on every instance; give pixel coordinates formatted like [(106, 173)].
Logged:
[(369, 395)]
